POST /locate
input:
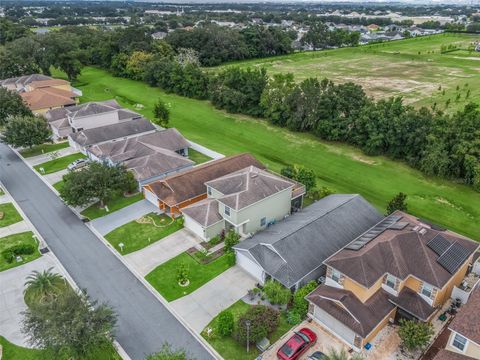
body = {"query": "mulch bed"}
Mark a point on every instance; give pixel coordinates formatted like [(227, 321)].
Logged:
[(204, 259)]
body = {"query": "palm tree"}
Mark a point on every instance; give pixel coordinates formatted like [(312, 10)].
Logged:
[(42, 286)]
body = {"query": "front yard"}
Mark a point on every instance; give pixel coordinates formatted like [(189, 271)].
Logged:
[(228, 347), (58, 164), (10, 215), (164, 277), (43, 149), (117, 203), (7, 242), (142, 232)]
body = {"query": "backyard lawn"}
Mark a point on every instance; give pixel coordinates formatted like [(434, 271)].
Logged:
[(342, 168), (164, 277), (136, 236), (18, 239), (229, 348), (197, 156), (58, 164), (114, 204), (44, 148), (10, 214)]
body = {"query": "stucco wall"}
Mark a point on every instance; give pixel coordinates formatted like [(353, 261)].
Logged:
[(472, 349)]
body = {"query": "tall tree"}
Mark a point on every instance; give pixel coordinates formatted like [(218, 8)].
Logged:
[(11, 104), (161, 113), (44, 286), (397, 203), (26, 131)]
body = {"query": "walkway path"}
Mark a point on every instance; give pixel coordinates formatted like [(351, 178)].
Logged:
[(18, 227)]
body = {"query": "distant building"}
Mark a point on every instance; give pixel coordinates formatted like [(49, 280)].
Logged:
[(159, 35)]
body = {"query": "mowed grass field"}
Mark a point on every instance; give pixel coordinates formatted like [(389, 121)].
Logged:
[(342, 168), (412, 68)]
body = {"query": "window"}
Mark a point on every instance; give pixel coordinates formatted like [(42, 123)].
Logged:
[(390, 281), (427, 290), (336, 275), (209, 190), (263, 221), (459, 342), (227, 210)]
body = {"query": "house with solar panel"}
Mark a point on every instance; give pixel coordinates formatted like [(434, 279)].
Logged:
[(401, 267)]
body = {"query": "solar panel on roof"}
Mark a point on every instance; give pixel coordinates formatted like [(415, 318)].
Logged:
[(398, 226), (372, 233), (453, 257), (439, 244)]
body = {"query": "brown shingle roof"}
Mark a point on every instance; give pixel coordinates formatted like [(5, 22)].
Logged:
[(344, 306), (46, 83), (400, 253), (411, 302), (450, 355), (189, 184), (467, 320), (48, 97)]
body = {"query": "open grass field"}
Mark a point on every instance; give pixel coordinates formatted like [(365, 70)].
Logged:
[(58, 164), (413, 68), (340, 167)]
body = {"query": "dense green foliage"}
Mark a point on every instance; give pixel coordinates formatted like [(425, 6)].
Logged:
[(12, 252), (225, 323), (168, 353), (415, 334), (231, 239), (320, 37), (398, 203), (263, 321), (26, 131), (11, 104), (300, 305), (42, 287), (276, 293), (304, 176), (162, 114)]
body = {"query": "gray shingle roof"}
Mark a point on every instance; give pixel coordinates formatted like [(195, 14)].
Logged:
[(291, 249), (204, 212), (20, 82), (110, 132)]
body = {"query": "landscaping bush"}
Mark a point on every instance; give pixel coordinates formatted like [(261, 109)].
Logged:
[(415, 334), (276, 293), (300, 305), (231, 258), (231, 239), (21, 249), (263, 321), (225, 323), (293, 317)]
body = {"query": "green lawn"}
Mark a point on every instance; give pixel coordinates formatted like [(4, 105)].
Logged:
[(10, 215), (58, 185), (58, 164), (342, 168), (197, 156), (44, 148), (2, 192), (411, 68), (164, 277), (114, 204), (17, 239), (136, 236), (230, 349), (14, 352)]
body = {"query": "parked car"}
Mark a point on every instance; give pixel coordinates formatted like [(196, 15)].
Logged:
[(317, 355), (297, 345), (77, 164)]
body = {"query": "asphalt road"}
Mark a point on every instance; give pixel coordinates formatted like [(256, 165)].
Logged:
[(144, 323)]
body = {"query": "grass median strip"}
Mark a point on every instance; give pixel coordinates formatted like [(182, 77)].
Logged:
[(142, 232), (9, 215), (43, 149), (117, 203), (58, 164), (20, 239), (164, 277)]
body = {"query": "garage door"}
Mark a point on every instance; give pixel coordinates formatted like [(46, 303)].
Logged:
[(334, 326), (193, 226), (249, 265), (151, 197)]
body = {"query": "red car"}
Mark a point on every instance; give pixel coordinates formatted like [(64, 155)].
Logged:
[(300, 342)]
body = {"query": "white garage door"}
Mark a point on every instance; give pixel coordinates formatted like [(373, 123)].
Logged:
[(333, 325), (194, 227), (249, 266), (151, 197)]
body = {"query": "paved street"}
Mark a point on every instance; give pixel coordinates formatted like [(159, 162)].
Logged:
[(201, 306), (110, 222), (144, 323)]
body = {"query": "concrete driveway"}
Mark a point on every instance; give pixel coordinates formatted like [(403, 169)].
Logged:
[(11, 297), (40, 159), (201, 306), (147, 259), (55, 177), (110, 222)]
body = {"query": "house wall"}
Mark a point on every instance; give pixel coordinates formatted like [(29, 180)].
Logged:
[(361, 292), (214, 230), (471, 349), (215, 194), (444, 294)]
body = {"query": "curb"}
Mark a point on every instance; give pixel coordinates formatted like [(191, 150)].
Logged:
[(149, 287)]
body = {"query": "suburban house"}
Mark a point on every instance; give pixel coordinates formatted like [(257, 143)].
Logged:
[(65, 121), (84, 139), (246, 201), (399, 268), (292, 251), (464, 340), (150, 157), (42, 93), (175, 192)]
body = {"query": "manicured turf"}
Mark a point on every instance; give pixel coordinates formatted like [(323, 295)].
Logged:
[(115, 204), (17, 239), (164, 277), (58, 164), (340, 167), (58, 185), (197, 156), (43, 149), (230, 349), (412, 68), (136, 236), (10, 215)]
